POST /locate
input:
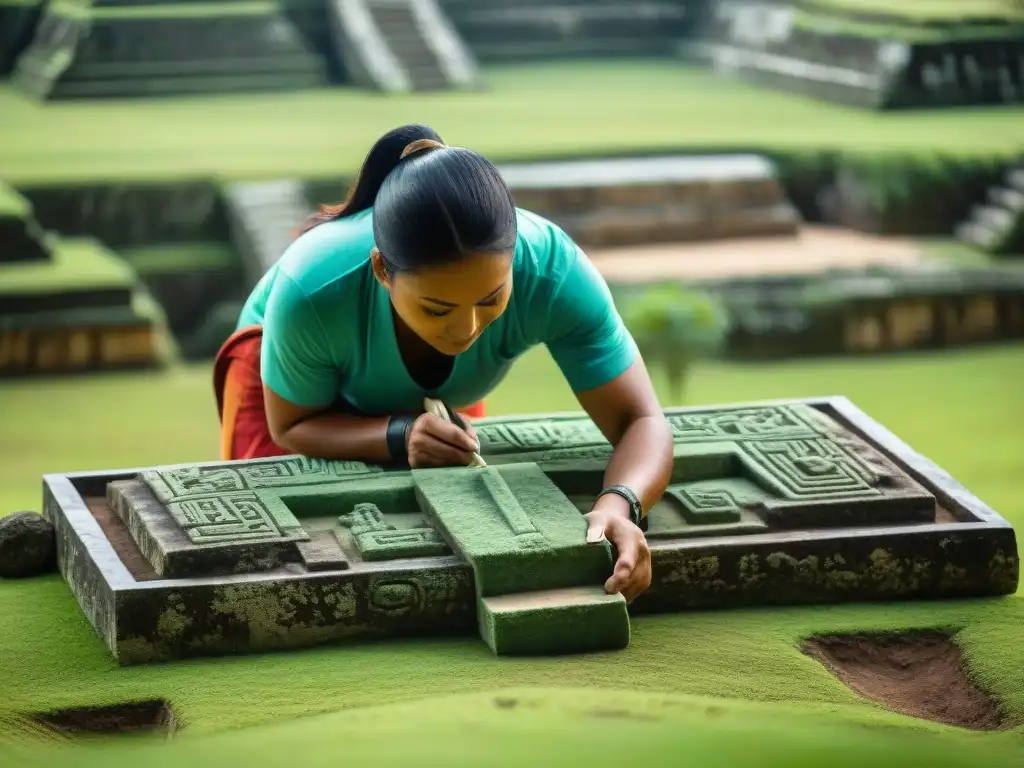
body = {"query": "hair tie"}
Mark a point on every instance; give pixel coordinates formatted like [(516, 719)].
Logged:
[(419, 145)]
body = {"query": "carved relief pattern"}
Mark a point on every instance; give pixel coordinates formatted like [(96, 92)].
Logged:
[(201, 481), (539, 435), (231, 517), (800, 469), (397, 596), (705, 505), (522, 527), (377, 539), (740, 424)]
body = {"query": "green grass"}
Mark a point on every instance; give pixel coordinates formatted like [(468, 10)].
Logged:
[(77, 264), (180, 257), (905, 30), (557, 727), (186, 10), (963, 409), (930, 10), (615, 106), (12, 204)]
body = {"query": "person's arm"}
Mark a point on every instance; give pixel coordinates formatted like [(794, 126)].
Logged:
[(300, 382), (600, 361)]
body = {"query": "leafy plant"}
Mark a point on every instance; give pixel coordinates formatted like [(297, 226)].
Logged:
[(674, 326)]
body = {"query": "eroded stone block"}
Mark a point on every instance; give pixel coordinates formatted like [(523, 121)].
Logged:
[(769, 504)]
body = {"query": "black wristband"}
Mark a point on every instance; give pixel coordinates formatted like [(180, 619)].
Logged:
[(636, 510), (397, 437)]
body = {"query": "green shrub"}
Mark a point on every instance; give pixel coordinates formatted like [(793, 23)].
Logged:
[(674, 326)]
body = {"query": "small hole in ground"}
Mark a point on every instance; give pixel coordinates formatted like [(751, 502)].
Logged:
[(919, 674), (153, 716)]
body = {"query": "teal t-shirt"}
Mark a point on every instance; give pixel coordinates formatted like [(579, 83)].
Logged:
[(328, 333)]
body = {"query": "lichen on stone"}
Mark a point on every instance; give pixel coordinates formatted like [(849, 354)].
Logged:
[(173, 622)]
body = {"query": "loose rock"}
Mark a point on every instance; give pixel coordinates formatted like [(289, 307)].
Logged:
[(28, 545)]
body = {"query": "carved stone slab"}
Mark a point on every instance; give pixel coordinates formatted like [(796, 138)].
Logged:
[(774, 503)]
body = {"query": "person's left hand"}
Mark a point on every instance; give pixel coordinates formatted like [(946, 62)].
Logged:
[(632, 574)]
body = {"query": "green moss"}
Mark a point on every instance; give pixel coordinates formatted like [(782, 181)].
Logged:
[(907, 31), (77, 264)]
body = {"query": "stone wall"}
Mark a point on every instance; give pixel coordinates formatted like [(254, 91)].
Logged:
[(132, 213), (872, 311), (498, 30), (780, 44)]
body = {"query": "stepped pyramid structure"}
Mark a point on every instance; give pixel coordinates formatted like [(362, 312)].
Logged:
[(997, 225), (68, 304), (119, 48)]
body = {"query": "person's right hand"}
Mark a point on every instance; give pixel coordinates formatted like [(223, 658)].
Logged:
[(434, 442)]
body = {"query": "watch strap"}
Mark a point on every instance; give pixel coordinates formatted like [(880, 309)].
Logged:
[(397, 436), (636, 510)]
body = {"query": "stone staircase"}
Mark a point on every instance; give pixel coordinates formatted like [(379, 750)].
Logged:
[(401, 45), (263, 217), (997, 225)]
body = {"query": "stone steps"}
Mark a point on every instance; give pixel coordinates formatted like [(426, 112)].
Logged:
[(401, 45), (397, 23), (997, 226), (263, 217), (167, 49), (636, 201)]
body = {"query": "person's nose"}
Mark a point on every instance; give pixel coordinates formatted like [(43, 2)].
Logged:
[(464, 326)]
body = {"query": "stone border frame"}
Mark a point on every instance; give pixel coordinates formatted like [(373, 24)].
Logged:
[(143, 621)]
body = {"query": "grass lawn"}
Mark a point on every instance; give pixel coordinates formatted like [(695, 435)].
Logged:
[(931, 10), (551, 109), (78, 264), (964, 410)]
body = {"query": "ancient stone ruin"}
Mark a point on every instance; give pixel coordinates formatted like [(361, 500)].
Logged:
[(779, 503)]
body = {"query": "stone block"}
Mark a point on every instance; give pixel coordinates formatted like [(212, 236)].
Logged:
[(632, 201), (777, 503), (557, 621)]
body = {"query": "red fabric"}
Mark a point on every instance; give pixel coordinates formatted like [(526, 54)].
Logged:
[(238, 387), (244, 430)]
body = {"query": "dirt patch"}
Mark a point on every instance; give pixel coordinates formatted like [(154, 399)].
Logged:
[(120, 539), (814, 249), (919, 674), (153, 716)]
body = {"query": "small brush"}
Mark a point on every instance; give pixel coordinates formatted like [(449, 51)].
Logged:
[(438, 408)]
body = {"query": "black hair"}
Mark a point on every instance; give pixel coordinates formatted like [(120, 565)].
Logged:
[(431, 203)]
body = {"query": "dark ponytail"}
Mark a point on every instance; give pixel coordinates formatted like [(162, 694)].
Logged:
[(431, 203), (380, 161)]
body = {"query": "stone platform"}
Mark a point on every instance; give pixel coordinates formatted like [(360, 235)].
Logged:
[(122, 48), (790, 502), (676, 198), (68, 304)]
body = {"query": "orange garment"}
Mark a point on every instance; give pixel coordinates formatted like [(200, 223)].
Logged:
[(238, 388)]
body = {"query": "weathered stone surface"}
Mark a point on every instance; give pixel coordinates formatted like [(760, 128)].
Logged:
[(835, 56), (93, 50), (776, 503), (27, 545), (629, 201)]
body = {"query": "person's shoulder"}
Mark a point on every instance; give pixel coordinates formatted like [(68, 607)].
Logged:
[(544, 251), (329, 256)]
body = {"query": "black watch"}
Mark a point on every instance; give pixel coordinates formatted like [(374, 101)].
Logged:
[(636, 510)]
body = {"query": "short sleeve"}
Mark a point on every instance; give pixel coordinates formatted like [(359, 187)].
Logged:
[(586, 335), (296, 361)]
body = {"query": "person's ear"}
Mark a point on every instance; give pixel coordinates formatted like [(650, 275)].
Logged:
[(380, 270)]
